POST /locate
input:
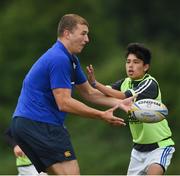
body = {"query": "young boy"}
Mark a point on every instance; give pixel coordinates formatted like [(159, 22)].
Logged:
[(153, 146)]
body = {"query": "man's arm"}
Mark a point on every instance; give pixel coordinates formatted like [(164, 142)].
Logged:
[(68, 104), (97, 97)]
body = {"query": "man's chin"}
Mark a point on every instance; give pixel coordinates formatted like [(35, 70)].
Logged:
[(78, 51)]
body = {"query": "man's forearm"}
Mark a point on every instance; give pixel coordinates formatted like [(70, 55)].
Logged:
[(99, 98), (74, 106)]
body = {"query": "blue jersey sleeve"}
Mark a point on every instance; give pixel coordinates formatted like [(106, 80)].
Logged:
[(61, 72), (80, 77)]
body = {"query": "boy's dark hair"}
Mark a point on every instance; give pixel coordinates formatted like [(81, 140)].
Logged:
[(140, 51)]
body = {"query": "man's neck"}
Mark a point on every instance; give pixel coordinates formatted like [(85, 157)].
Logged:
[(65, 43)]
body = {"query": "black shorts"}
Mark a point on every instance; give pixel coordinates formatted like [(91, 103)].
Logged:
[(44, 144)]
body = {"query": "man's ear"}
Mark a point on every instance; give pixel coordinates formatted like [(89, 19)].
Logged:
[(66, 34)]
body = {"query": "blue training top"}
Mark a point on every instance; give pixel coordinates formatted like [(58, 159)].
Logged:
[(54, 69)]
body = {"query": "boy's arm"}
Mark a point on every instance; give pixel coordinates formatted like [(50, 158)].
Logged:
[(106, 90)]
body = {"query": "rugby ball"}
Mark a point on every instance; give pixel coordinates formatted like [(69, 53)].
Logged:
[(148, 111)]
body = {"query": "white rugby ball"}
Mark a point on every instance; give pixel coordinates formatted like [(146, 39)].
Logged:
[(148, 111)]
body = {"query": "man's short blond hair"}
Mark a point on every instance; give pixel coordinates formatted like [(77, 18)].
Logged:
[(69, 22)]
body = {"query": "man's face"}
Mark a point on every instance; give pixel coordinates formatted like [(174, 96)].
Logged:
[(78, 38), (135, 68)]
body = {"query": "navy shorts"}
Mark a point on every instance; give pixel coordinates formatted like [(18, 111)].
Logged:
[(44, 144)]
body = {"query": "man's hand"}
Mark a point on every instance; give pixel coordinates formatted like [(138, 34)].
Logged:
[(127, 103), (110, 118), (18, 152), (90, 74)]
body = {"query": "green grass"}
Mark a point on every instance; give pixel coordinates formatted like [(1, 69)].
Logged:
[(8, 163)]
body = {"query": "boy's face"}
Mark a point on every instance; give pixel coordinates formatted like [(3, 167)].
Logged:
[(135, 68)]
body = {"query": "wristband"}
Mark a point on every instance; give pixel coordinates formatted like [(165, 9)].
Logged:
[(93, 84)]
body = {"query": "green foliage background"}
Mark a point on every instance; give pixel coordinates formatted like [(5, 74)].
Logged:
[(28, 28)]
